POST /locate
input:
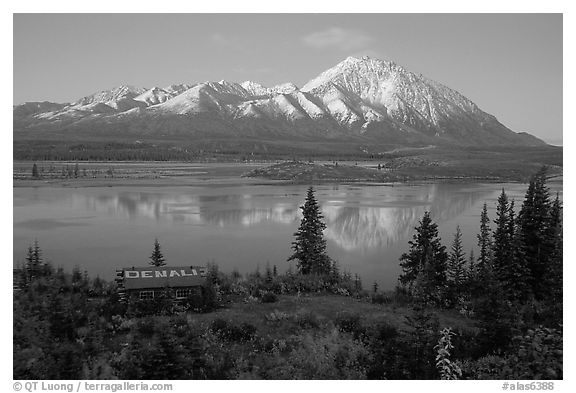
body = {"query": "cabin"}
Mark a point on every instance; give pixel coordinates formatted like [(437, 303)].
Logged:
[(147, 283)]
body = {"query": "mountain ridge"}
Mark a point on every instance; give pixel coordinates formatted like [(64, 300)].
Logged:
[(361, 98)]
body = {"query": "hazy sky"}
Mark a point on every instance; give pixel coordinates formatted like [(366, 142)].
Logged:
[(508, 64)]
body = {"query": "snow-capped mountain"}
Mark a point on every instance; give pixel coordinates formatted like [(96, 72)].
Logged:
[(366, 99)]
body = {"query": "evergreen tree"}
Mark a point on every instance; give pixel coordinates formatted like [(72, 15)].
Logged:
[(334, 273), (269, 274), (485, 243), (35, 173), (37, 252), (515, 274), (472, 268), (157, 259), (554, 277), (534, 222), (456, 268), (310, 245), (502, 245), (34, 265), (30, 265), (424, 265)]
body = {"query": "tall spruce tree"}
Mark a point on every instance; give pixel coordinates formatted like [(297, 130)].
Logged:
[(35, 173), (157, 259), (485, 243), (534, 225), (554, 277), (34, 266), (310, 245), (456, 268), (515, 273), (502, 246), (424, 265)]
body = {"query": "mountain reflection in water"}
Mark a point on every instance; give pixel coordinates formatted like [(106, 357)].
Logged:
[(364, 218)]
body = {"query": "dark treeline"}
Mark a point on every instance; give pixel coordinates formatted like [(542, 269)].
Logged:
[(40, 150), (513, 290), (497, 315)]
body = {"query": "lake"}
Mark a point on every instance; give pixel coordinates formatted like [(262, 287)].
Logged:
[(242, 226)]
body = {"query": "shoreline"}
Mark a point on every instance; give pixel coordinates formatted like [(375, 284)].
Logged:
[(185, 174)]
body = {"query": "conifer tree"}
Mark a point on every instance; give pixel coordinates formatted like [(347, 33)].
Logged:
[(472, 268), (157, 259), (35, 174), (502, 246), (29, 266), (554, 276), (310, 245), (424, 265), (534, 226), (514, 274), (269, 275), (485, 243), (456, 268), (34, 261)]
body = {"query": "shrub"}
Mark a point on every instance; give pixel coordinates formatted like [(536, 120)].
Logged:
[(350, 323), (307, 320), (328, 356), (269, 297), (535, 355), (448, 369), (380, 298), (146, 326), (276, 316), (229, 332)]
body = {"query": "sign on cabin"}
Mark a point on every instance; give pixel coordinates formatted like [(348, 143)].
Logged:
[(150, 281)]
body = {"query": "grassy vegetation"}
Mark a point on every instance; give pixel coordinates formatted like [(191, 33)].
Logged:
[(306, 172), (423, 164)]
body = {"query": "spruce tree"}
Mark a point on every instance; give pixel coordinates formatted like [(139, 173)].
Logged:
[(515, 275), (424, 265), (502, 245), (472, 269), (485, 243), (34, 261), (29, 266), (310, 245), (35, 174), (554, 277), (534, 226), (157, 259), (456, 268)]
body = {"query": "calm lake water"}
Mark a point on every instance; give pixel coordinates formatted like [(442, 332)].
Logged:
[(242, 226)]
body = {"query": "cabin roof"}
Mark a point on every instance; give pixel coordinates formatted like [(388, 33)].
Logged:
[(164, 276)]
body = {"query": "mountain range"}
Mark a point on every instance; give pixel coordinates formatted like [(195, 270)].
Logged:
[(360, 99)]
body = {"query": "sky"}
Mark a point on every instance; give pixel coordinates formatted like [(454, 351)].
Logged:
[(510, 65)]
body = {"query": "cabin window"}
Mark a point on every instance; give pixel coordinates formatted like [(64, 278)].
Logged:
[(183, 293), (146, 295)]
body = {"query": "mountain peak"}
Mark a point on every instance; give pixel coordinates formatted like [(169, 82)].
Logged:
[(358, 97)]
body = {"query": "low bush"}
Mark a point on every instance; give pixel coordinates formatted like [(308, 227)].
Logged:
[(307, 320), (230, 332), (350, 323), (269, 297)]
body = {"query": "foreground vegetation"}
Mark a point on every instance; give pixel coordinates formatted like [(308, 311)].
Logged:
[(498, 316)]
